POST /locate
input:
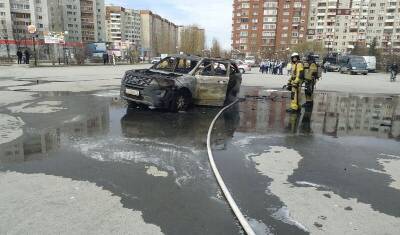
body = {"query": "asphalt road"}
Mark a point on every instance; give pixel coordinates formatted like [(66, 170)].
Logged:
[(74, 159)]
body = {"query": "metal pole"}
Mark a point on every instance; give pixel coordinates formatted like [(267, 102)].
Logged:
[(59, 57), (34, 50)]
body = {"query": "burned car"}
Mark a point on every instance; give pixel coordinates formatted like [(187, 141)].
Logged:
[(177, 82)]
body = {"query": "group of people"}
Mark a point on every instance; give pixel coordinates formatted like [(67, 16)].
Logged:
[(272, 67), (305, 72), (109, 58), (23, 57)]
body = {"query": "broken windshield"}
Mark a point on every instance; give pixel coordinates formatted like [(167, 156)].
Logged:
[(177, 65)]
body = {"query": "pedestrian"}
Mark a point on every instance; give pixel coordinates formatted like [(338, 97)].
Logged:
[(289, 68), (394, 70), (105, 58), (113, 59), (280, 68), (27, 56), (19, 55), (262, 66)]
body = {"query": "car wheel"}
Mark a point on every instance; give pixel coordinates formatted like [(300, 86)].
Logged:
[(341, 71), (242, 71), (365, 73), (181, 101)]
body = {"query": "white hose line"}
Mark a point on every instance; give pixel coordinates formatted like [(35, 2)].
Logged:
[(242, 220)]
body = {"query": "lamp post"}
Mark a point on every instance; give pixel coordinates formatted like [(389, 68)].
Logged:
[(390, 51), (65, 52), (32, 31)]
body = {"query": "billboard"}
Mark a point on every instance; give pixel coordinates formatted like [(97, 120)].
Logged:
[(97, 49), (54, 38)]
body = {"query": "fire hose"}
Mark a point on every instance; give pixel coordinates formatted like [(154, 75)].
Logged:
[(239, 215)]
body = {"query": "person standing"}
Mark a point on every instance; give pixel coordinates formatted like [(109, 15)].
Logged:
[(27, 56), (289, 68), (394, 70), (280, 67), (105, 58), (113, 58), (310, 78), (19, 56), (294, 83)]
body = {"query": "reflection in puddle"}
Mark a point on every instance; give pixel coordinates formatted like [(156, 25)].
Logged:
[(334, 114)]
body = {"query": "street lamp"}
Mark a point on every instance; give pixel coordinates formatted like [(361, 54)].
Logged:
[(32, 31), (65, 42)]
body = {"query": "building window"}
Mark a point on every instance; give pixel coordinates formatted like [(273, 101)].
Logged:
[(245, 5), (244, 34), (297, 5)]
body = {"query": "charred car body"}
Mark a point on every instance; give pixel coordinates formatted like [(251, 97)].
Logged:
[(177, 82)]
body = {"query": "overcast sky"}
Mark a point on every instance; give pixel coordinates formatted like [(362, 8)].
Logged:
[(213, 15)]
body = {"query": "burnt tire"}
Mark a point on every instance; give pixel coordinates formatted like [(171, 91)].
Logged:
[(181, 101)]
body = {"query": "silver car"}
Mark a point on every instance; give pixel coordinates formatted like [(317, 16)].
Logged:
[(177, 82)]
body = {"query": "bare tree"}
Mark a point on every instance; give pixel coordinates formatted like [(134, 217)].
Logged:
[(192, 40), (305, 47), (216, 48), (4, 36)]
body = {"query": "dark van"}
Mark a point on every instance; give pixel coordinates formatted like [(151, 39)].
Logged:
[(352, 64)]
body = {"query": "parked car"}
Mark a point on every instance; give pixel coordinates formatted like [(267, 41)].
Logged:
[(332, 67), (371, 63), (177, 82), (251, 61), (243, 67), (353, 65), (155, 60)]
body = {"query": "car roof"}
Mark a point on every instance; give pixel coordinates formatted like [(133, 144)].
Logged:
[(194, 57)]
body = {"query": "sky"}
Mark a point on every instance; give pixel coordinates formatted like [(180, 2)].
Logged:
[(215, 16)]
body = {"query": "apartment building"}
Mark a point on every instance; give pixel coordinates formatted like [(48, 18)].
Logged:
[(92, 20), (123, 28), (16, 16), (343, 24), (158, 35), (265, 27), (292, 23), (70, 20)]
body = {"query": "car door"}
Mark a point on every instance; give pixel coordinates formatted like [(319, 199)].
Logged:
[(212, 79)]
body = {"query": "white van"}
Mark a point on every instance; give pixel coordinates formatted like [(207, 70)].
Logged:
[(251, 61), (371, 63)]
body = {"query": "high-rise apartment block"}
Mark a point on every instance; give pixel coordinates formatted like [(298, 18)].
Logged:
[(123, 25), (343, 24), (268, 26), (158, 35), (271, 26), (92, 20), (82, 20)]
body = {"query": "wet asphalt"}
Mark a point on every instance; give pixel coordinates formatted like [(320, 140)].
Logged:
[(101, 140)]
